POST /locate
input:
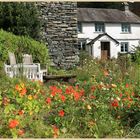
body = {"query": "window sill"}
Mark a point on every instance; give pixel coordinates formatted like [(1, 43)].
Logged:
[(98, 32), (124, 52), (125, 33)]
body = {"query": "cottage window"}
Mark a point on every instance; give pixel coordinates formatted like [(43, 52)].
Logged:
[(79, 27), (99, 27), (126, 28), (124, 47)]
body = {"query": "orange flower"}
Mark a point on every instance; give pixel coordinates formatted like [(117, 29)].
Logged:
[(63, 98), (55, 90), (76, 96), (13, 123), (23, 91), (55, 131), (21, 132), (61, 113), (17, 87), (20, 112), (69, 90), (106, 73), (48, 100)]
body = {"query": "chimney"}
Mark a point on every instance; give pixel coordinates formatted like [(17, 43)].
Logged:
[(126, 6)]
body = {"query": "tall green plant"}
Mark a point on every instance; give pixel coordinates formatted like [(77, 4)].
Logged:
[(20, 18)]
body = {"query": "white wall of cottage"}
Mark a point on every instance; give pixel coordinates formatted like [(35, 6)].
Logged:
[(114, 30)]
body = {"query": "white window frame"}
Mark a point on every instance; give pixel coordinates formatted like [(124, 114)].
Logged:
[(124, 47), (126, 28), (99, 27)]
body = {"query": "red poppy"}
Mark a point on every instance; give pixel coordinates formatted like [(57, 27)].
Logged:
[(115, 103), (13, 123), (21, 132), (61, 113), (48, 100), (63, 98)]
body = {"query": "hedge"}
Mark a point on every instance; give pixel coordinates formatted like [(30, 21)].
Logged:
[(22, 45)]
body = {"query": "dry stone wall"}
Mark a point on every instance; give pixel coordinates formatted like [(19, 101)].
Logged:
[(59, 30)]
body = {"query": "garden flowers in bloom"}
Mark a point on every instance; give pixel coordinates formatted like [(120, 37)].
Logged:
[(34, 109)]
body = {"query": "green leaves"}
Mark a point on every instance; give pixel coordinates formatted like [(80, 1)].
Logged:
[(20, 18), (22, 45)]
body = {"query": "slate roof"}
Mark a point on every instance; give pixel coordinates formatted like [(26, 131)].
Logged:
[(99, 36), (106, 15)]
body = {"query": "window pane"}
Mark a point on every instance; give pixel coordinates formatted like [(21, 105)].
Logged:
[(122, 50), (126, 47), (99, 27), (125, 27)]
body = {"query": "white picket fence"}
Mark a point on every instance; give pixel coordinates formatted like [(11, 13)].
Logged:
[(30, 71)]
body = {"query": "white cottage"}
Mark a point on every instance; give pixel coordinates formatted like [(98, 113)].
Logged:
[(106, 32)]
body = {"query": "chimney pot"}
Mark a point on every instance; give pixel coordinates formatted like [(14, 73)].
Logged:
[(126, 6)]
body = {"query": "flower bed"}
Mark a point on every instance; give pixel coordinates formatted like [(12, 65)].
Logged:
[(84, 109)]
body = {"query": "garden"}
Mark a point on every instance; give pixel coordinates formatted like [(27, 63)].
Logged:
[(103, 101)]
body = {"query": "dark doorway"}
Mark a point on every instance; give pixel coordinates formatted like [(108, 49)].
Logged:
[(105, 50)]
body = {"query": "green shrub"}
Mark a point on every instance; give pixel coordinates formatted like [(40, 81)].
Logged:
[(21, 45), (136, 56), (20, 18)]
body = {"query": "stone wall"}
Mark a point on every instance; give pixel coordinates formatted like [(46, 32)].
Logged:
[(59, 29)]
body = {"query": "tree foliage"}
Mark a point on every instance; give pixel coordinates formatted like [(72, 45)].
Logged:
[(20, 18)]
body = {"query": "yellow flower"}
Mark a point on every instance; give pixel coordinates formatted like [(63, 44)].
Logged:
[(31, 112), (88, 107), (30, 97), (113, 85)]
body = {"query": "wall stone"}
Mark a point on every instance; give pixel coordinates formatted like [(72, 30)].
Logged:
[(59, 30)]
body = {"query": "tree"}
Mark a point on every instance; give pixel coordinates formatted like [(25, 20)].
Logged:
[(20, 18)]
